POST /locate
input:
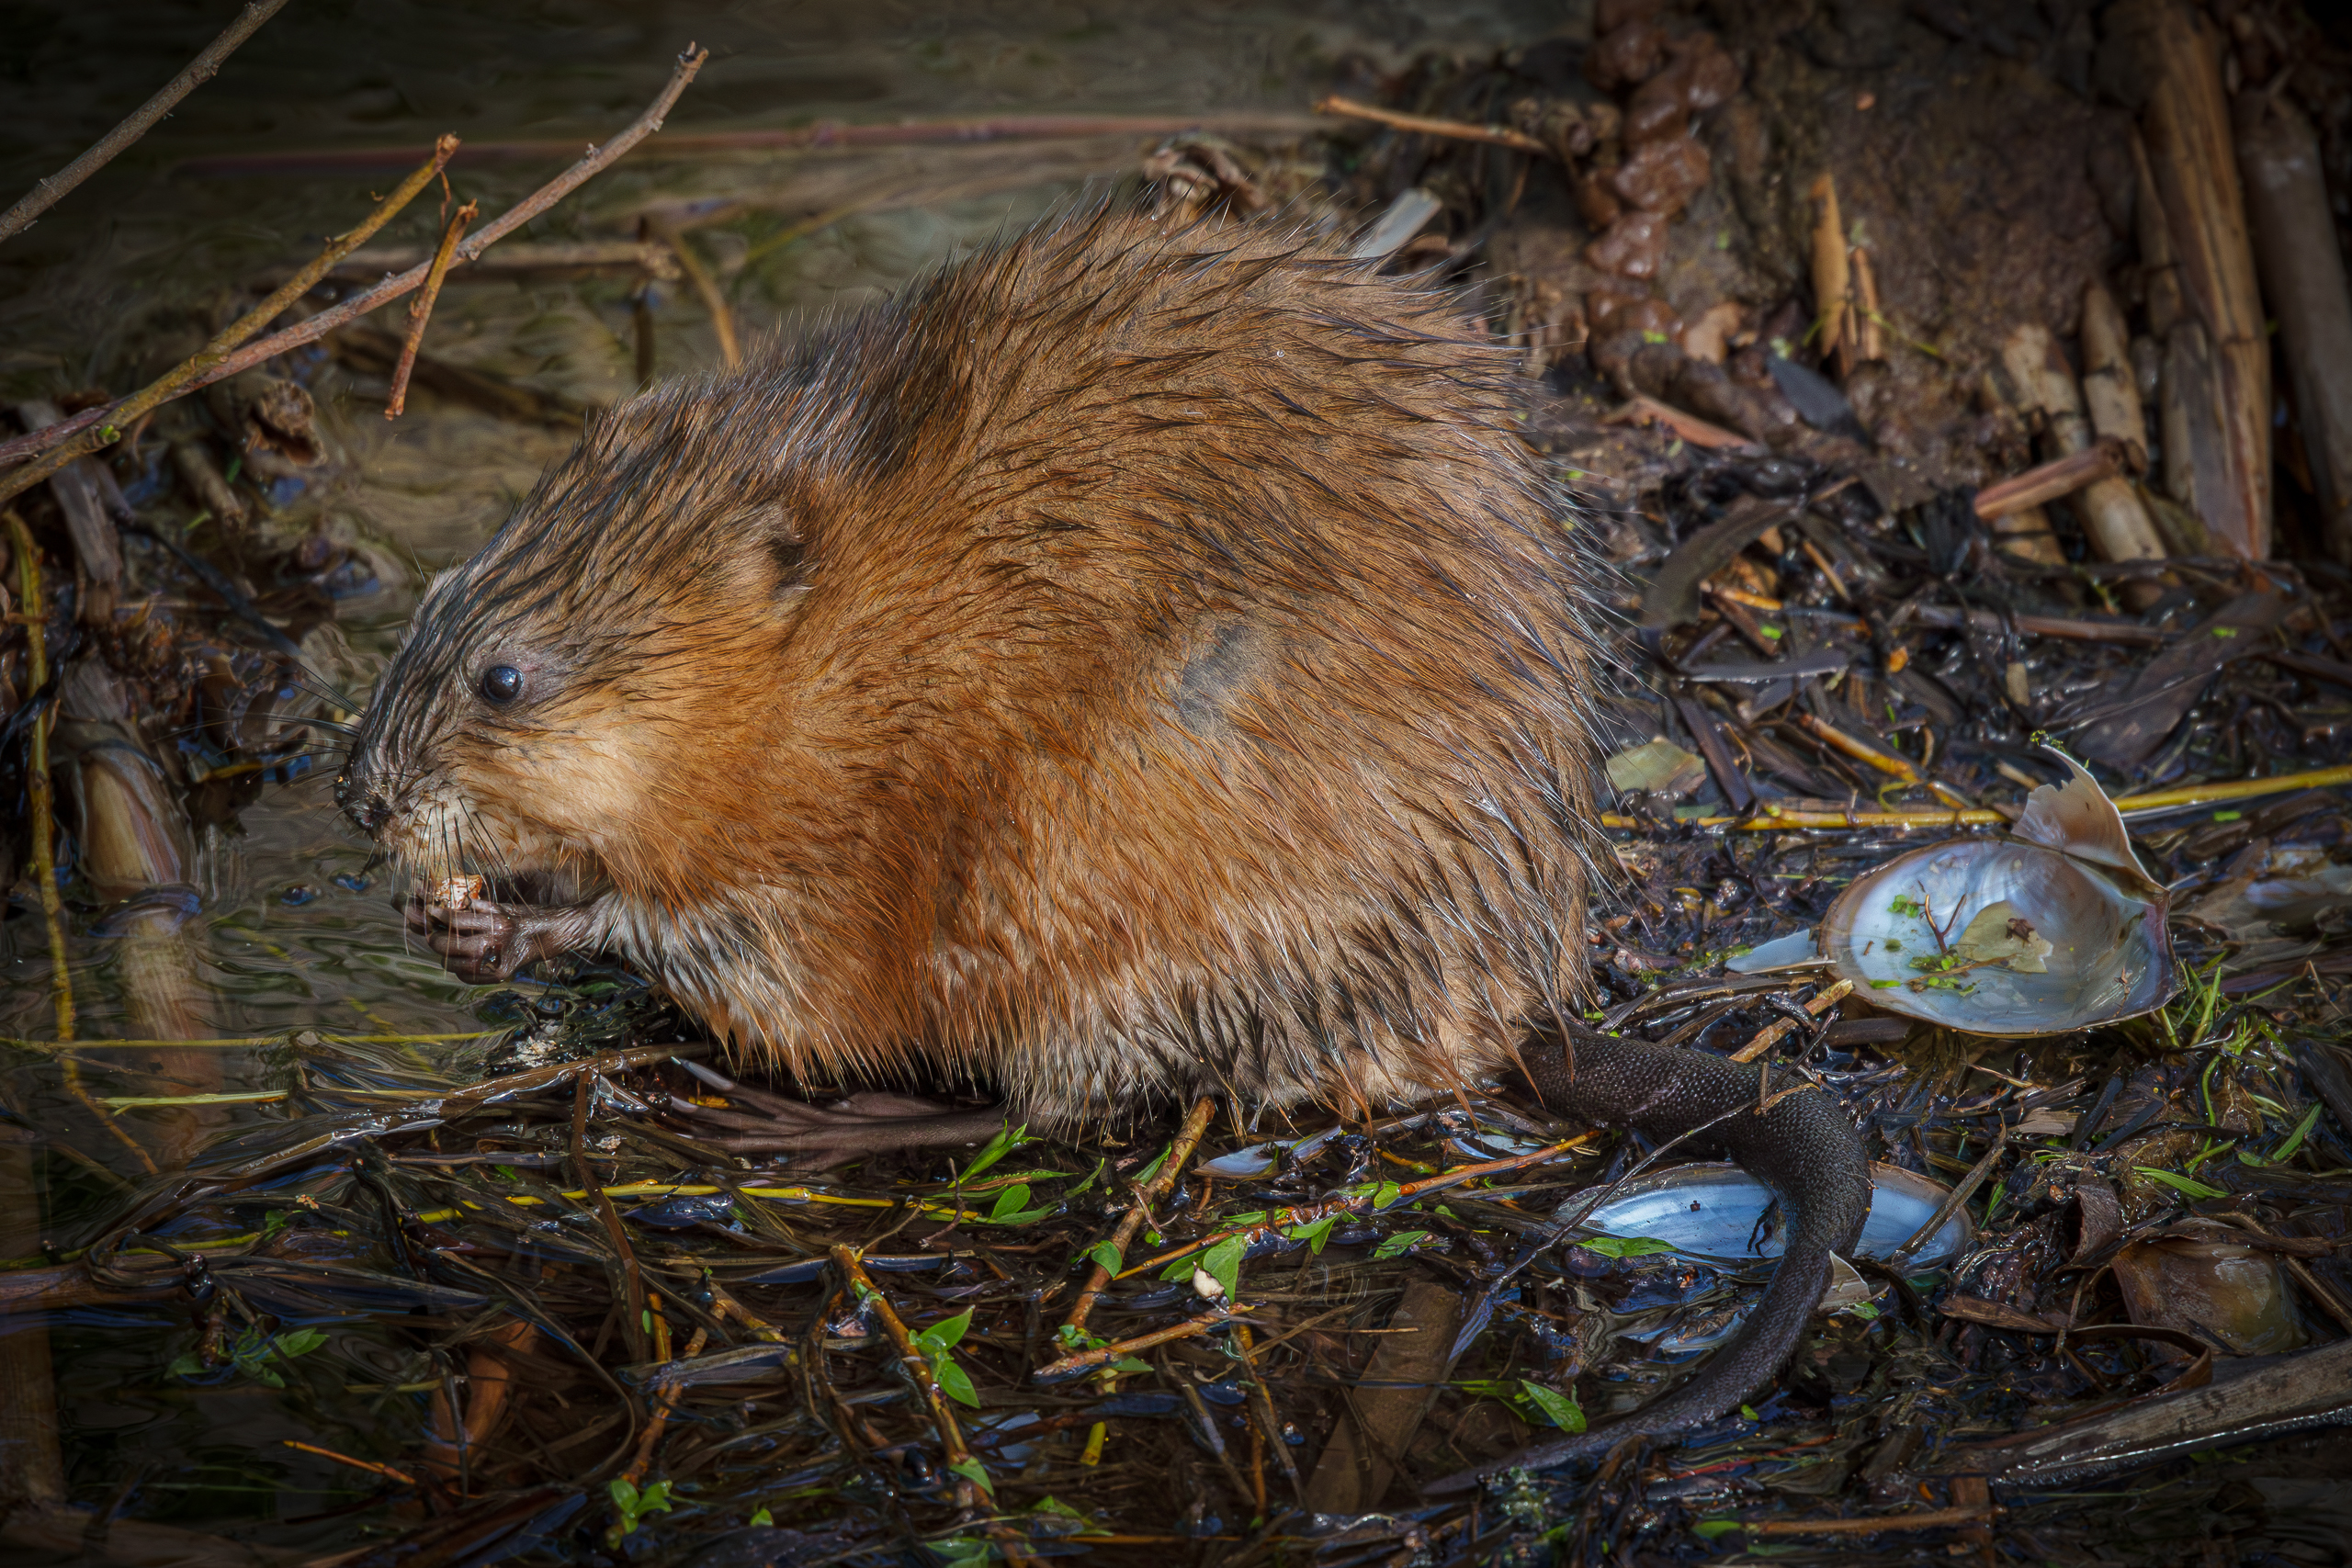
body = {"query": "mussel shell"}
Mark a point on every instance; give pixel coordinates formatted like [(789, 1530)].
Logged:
[(2110, 957), (1711, 1210)]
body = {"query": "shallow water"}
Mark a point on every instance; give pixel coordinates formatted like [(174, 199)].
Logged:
[(294, 931)]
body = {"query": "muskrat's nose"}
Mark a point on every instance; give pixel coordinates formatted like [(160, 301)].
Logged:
[(362, 804)]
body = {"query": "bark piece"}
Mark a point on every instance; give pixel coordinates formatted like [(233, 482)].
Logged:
[(1385, 1410), (2193, 166), (2302, 280)]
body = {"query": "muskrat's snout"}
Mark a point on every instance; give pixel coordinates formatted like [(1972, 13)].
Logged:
[(363, 804)]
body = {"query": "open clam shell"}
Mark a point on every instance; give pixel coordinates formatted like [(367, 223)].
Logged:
[(2053, 930), (1713, 1210)]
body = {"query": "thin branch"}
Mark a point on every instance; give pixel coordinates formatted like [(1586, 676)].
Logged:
[(1454, 129), (420, 309), (594, 163), (722, 320), (47, 193)]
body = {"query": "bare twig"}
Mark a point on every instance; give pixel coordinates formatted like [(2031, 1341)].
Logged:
[(420, 309), (1455, 130), (218, 358), (593, 163), (1103, 1355), (1773, 1033), (1188, 1138), (49, 192)]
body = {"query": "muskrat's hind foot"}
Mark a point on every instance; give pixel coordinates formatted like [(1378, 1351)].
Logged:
[(869, 1122), (482, 941)]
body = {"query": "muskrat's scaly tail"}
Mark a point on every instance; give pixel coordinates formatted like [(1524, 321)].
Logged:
[(1804, 1149)]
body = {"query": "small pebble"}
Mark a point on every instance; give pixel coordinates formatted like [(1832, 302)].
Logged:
[(300, 893)]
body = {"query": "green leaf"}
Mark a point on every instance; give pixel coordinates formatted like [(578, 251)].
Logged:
[(760, 1518), (1713, 1529), (1131, 1364), (1223, 1264), (1107, 1256), (1904, 904), (1772, 633), (953, 1380), (1142, 1176), (185, 1367), (624, 1495), (976, 1473), (946, 1334), (1009, 1201), (1385, 1194), (2294, 1139), (264, 1374), (963, 1552), (1314, 1234), (1863, 1310), (1747, 1412), (1625, 1246), (1560, 1409), (2180, 1183), (2227, 816), (299, 1342), (996, 1148), (1399, 1245), (507, 1172)]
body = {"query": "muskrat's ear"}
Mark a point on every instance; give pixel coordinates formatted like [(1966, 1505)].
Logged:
[(786, 547)]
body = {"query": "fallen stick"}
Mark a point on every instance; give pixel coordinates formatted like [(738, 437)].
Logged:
[(47, 193), (1454, 129), (2061, 477), (1773, 1033), (1770, 819), (1861, 751), (1918, 1519), (2292, 1394), (1103, 1355), (1945, 618), (593, 163), (1641, 409)]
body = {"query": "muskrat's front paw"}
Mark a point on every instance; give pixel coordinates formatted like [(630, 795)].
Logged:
[(478, 940)]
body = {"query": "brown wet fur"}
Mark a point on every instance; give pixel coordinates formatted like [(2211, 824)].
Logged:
[(1126, 666)]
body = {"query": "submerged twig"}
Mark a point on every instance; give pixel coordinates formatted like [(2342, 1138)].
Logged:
[(47, 193)]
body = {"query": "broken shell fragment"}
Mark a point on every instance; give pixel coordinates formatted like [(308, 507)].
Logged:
[(2055, 929), (454, 892)]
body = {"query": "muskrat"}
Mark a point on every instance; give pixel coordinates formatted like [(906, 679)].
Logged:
[(1123, 667)]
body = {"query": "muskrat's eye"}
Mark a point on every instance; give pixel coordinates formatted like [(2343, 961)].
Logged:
[(501, 683)]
